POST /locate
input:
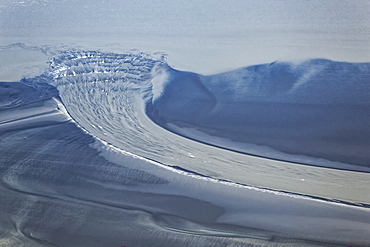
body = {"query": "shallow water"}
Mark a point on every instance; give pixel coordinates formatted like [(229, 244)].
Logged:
[(111, 176), (50, 198), (102, 145)]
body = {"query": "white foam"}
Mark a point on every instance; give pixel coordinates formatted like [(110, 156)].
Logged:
[(112, 110), (159, 81)]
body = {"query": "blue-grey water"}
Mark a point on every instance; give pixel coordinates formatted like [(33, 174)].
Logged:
[(114, 176)]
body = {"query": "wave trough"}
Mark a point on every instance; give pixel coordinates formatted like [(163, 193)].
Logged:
[(314, 112), (127, 162)]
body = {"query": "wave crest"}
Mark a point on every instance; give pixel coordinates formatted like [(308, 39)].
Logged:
[(317, 108), (314, 112)]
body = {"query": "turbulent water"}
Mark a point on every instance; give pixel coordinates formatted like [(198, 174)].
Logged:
[(109, 147), (314, 112)]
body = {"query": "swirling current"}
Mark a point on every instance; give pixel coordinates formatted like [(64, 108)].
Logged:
[(118, 98), (278, 135), (268, 110)]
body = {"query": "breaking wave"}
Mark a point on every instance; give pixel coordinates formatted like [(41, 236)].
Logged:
[(317, 108), (137, 110), (314, 112)]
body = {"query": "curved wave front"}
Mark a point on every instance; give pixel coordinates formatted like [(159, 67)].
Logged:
[(128, 160), (317, 108), (314, 112)]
